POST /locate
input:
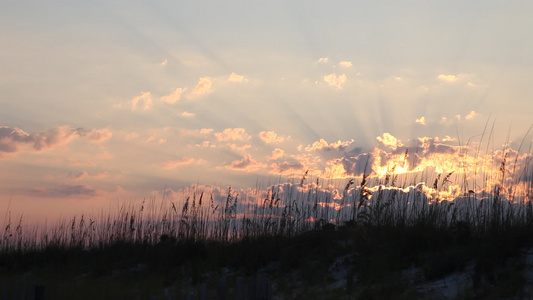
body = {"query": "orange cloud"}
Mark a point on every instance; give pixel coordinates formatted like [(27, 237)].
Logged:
[(471, 115), (335, 81), (390, 141), (236, 78), (144, 101), (271, 137), (323, 145), (277, 153), (188, 114), (232, 134), (239, 149), (345, 64), (421, 121), (323, 60), (203, 87), (173, 97), (447, 77)]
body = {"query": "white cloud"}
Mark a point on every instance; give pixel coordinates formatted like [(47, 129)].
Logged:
[(174, 96), (421, 120), (335, 81), (144, 101), (323, 60)]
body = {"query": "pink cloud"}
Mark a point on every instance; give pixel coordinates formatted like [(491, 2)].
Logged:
[(13, 139), (172, 164), (95, 135), (247, 163)]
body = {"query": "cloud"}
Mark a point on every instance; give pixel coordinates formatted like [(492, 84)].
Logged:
[(236, 78), (323, 60), (271, 137), (471, 115), (172, 164), (390, 141), (421, 120), (79, 176), (287, 167), (173, 97), (206, 144), (447, 77), (203, 87), (12, 139), (143, 102), (79, 163), (64, 191), (206, 130), (239, 149), (232, 134), (188, 114), (276, 153), (335, 81), (323, 145), (164, 63), (95, 135), (247, 163), (345, 64)]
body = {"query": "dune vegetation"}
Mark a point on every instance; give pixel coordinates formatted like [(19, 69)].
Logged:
[(313, 238)]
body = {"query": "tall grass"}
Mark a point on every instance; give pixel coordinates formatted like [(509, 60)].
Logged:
[(492, 200)]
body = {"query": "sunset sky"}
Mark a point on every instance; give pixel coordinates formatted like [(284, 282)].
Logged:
[(117, 100)]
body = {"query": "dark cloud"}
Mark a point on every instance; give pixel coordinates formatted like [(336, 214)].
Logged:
[(358, 165), (63, 191), (287, 166), (13, 140)]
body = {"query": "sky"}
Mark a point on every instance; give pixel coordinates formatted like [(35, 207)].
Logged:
[(116, 101)]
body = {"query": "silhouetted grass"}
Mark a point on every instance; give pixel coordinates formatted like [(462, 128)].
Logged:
[(378, 227)]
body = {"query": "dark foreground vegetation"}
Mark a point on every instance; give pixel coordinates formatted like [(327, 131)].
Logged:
[(372, 239)]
